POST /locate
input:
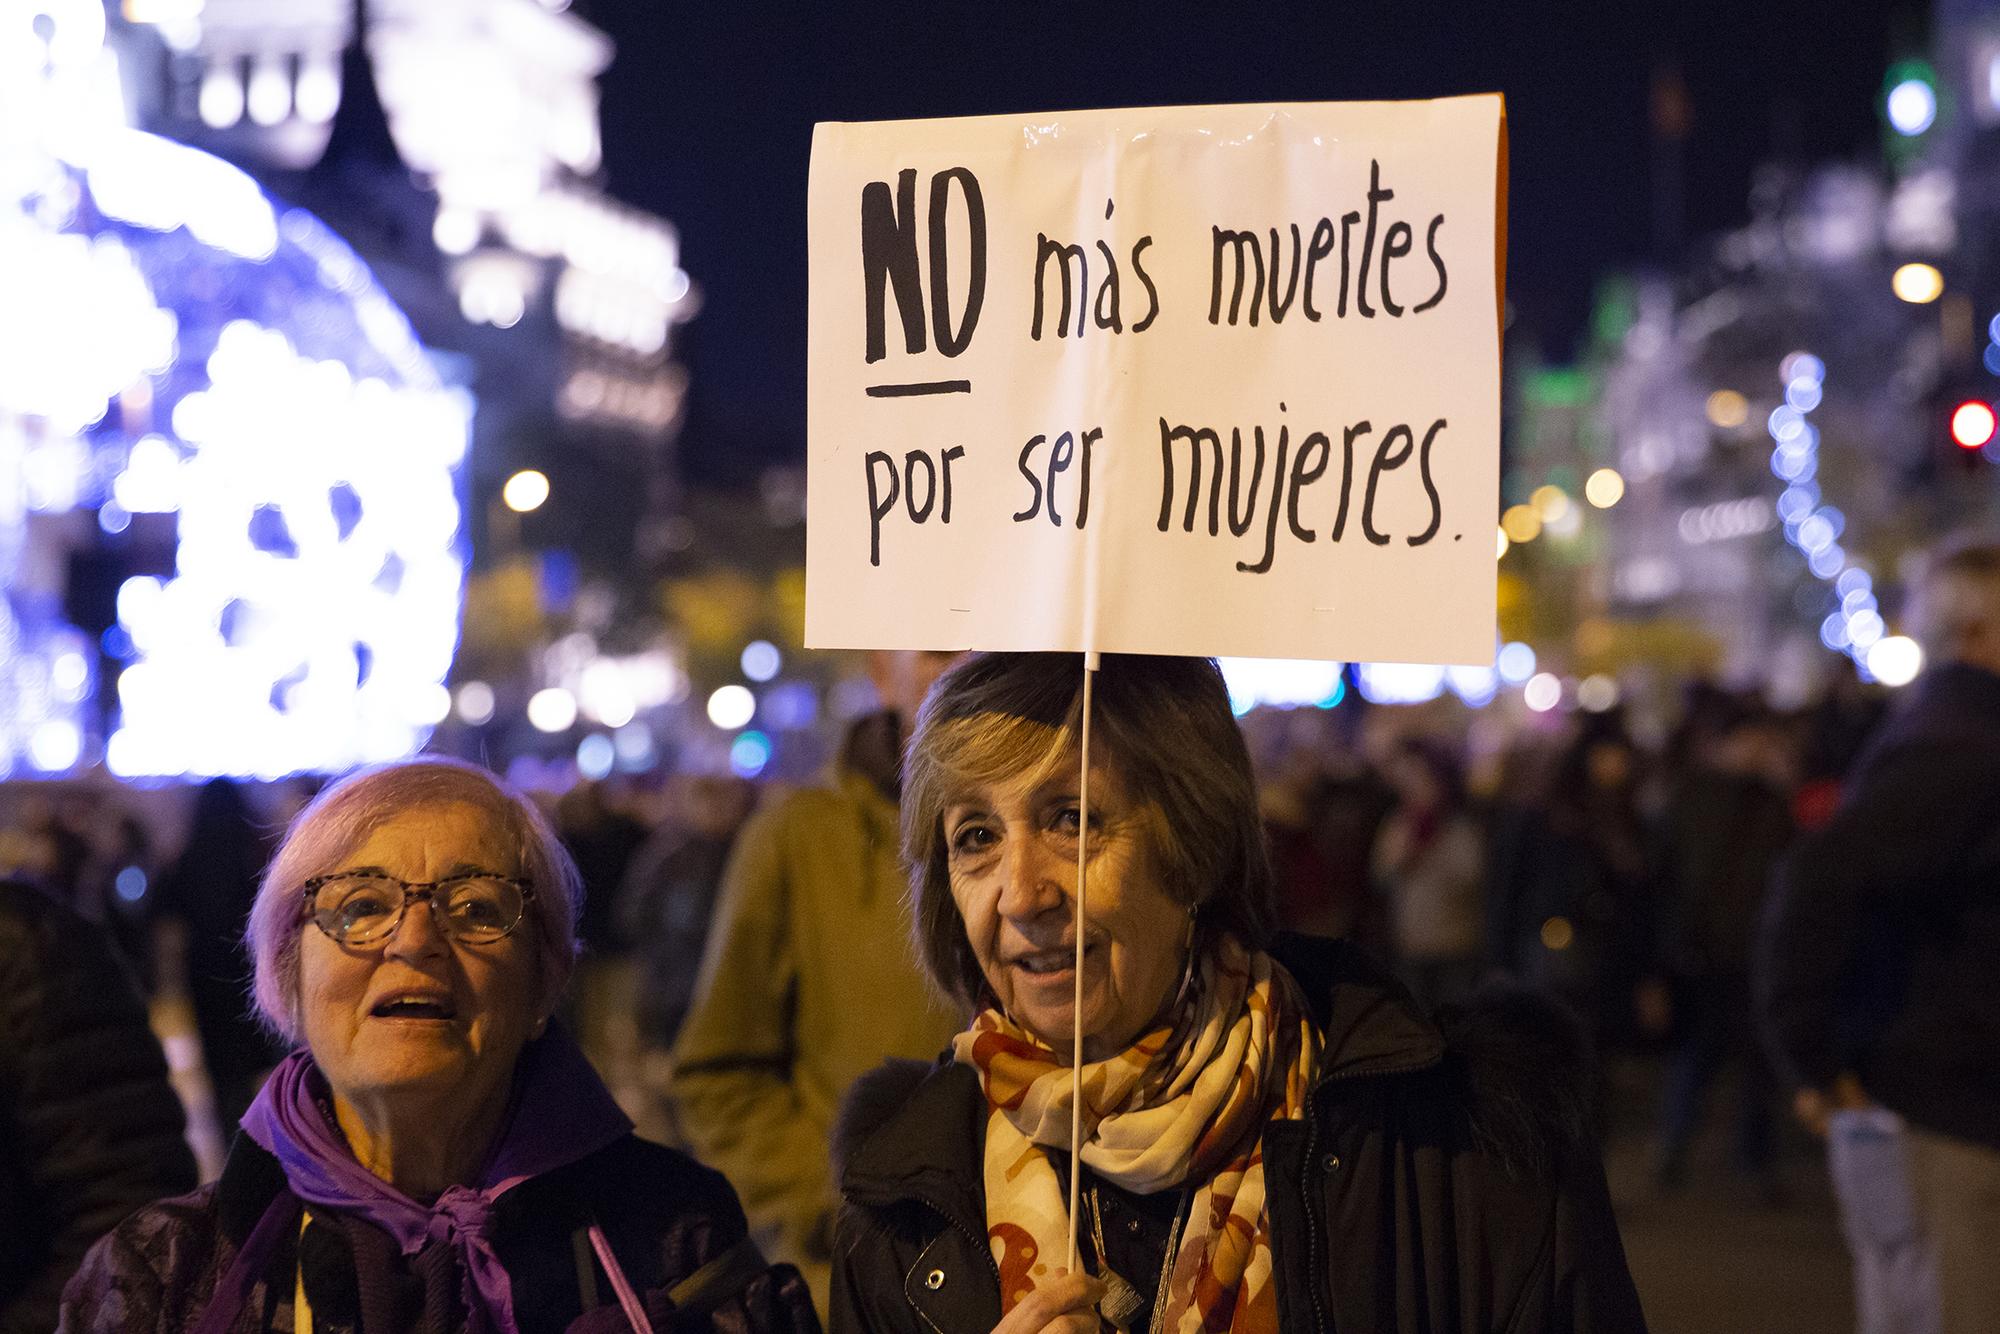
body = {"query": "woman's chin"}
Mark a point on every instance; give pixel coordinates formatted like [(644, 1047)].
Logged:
[(1050, 1023), (1053, 1034), (412, 1062), (417, 1074)]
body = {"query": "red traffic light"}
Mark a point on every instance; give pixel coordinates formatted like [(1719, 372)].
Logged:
[(1973, 424)]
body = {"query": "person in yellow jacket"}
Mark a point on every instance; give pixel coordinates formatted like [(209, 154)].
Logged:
[(809, 981)]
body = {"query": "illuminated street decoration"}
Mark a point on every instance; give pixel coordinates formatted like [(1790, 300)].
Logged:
[(176, 345), (1284, 683), (1856, 626), (208, 397), (1695, 530), (1280, 683), (494, 107)]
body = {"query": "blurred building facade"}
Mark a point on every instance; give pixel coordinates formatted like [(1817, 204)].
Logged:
[(1781, 409)]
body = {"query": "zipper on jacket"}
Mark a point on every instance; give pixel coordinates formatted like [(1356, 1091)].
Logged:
[(1313, 1232)]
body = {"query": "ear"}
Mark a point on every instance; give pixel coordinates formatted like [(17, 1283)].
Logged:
[(554, 984)]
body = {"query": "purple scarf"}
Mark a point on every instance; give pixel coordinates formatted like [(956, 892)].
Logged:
[(562, 1112)]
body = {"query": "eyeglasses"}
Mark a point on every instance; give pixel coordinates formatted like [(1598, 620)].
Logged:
[(363, 907)]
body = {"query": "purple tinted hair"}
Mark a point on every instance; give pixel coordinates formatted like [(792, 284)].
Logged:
[(341, 818)]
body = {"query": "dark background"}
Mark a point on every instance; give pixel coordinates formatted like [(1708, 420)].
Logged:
[(708, 114)]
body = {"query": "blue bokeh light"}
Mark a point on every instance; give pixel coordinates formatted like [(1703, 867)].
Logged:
[(749, 754), (595, 756), (761, 660)]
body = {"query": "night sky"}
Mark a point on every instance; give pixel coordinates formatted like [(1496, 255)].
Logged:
[(709, 108)]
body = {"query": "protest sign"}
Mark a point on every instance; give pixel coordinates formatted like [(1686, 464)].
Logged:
[(1194, 380)]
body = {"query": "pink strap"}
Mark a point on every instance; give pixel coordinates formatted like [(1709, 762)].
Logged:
[(627, 1298)]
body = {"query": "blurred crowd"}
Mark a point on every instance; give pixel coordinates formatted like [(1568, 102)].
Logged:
[(1696, 873), (1620, 864), (1623, 868)]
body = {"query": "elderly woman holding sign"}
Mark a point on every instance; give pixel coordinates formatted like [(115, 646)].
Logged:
[(1273, 1136), (436, 1155)]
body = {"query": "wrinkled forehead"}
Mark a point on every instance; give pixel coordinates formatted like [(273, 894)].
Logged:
[(437, 834)]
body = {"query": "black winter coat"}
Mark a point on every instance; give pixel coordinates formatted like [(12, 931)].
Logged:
[(89, 1127), (664, 1215), (1881, 936), (1439, 1185)]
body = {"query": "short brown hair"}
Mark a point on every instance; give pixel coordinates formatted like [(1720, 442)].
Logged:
[(1165, 723)]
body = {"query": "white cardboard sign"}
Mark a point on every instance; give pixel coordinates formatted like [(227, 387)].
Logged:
[(1191, 380)]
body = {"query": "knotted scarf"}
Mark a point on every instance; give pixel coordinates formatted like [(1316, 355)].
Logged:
[(1186, 1103), (561, 1113)]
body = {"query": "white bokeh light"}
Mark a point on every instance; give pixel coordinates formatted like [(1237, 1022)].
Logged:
[(475, 703), (730, 707), (606, 694), (55, 746), (1279, 682), (1912, 107), (1895, 660), (552, 710), (1543, 692), (1400, 682), (1597, 693)]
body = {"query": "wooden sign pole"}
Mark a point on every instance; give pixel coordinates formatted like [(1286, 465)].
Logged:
[(1076, 1009)]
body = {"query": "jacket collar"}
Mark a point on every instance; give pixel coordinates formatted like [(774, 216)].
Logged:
[(1370, 1022), (251, 1179), (928, 1148)]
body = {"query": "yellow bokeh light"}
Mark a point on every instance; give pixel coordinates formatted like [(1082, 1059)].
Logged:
[(1728, 409), (1504, 543), (1521, 523), (1550, 502), (1558, 934), (1918, 283), (1604, 488), (525, 490)]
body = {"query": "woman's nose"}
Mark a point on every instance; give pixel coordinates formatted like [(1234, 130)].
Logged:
[(1029, 879), (418, 935)]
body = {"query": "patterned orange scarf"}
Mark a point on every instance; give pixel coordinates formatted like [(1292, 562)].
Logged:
[(1182, 1104)]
